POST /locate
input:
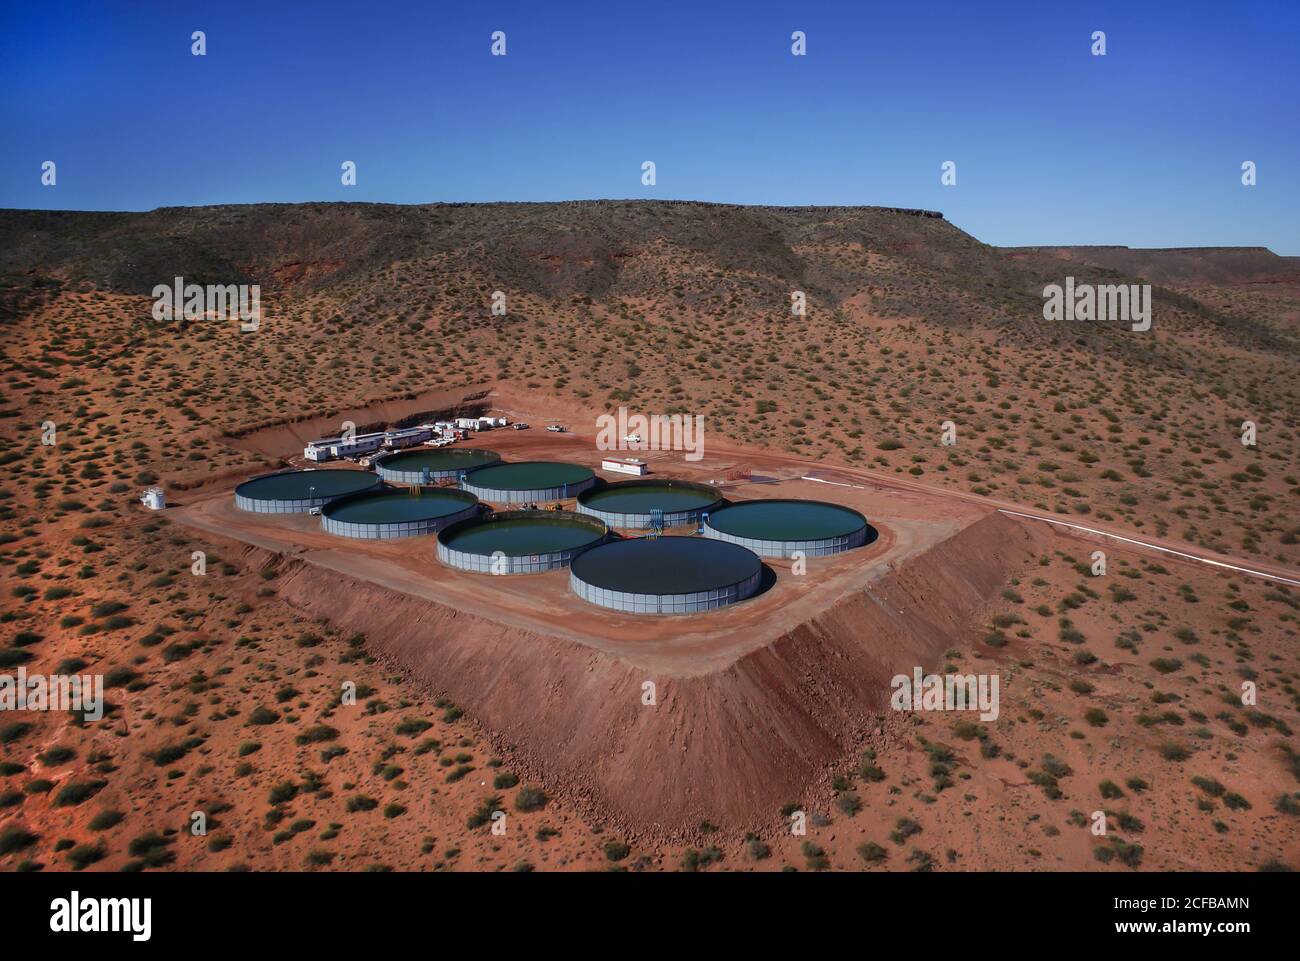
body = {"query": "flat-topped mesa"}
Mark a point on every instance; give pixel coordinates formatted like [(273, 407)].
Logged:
[(570, 204)]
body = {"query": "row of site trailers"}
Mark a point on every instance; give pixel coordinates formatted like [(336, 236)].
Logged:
[(439, 432)]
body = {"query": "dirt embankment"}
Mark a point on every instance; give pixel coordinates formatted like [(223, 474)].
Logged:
[(728, 748), (287, 436)]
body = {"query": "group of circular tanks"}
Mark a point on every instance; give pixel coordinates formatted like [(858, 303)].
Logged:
[(655, 575)]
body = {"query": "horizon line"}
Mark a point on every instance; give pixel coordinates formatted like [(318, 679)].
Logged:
[(907, 211)]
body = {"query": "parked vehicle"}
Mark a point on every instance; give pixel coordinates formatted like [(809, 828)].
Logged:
[(556, 429), (519, 426)]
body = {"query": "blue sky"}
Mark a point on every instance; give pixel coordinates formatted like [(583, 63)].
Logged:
[(1053, 145)]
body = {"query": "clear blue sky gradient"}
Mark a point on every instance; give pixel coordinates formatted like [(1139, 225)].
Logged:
[(1141, 147)]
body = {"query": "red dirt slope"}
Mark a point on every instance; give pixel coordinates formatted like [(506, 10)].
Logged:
[(729, 747)]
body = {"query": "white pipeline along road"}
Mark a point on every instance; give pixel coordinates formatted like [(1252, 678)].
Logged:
[(1154, 547), (942, 492)]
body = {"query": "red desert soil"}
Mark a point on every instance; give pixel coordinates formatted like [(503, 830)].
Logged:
[(775, 703), (1163, 694), (756, 704)]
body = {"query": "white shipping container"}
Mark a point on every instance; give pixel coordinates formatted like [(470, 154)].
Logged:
[(319, 450), (407, 437), (361, 444), (624, 465)]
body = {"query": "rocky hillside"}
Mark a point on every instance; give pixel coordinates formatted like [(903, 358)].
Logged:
[(685, 307)]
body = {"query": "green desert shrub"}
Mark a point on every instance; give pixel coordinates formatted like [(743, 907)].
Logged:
[(530, 798)]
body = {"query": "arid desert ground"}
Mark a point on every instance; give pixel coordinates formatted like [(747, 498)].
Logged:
[(1121, 693)]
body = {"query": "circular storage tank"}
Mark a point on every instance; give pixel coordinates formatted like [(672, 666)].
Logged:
[(519, 542), (666, 575), (628, 504), (298, 491), (778, 528), (396, 513), (529, 482), (430, 465)]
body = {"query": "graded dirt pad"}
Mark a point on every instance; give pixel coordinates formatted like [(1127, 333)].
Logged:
[(752, 703), (725, 746)]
